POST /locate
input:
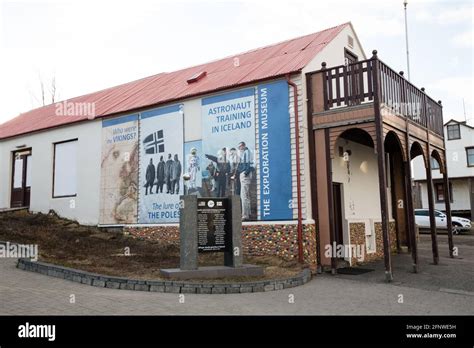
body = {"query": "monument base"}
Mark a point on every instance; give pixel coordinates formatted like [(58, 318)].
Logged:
[(213, 272)]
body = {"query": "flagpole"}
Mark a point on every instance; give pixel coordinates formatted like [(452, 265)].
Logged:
[(405, 2)]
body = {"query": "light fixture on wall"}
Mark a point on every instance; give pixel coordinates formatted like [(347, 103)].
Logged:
[(364, 167)]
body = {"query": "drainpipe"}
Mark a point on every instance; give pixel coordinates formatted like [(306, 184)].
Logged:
[(298, 170)]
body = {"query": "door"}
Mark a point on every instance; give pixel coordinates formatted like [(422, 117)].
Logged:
[(441, 220), (353, 77), (21, 179), (337, 207), (422, 218)]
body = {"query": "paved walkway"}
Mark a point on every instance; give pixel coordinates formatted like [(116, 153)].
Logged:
[(444, 289)]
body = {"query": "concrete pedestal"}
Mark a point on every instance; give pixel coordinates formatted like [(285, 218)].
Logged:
[(213, 272)]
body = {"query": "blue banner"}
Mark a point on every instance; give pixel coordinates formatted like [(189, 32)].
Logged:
[(275, 152)]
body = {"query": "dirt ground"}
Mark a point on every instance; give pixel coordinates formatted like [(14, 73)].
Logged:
[(64, 242)]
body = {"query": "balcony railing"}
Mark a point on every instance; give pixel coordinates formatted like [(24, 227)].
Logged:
[(354, 84)]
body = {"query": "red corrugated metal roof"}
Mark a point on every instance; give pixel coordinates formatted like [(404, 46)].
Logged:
[(259, 64)]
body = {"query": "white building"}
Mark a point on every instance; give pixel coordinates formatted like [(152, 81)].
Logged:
[(70, 184), (459, 137), (322, 140)]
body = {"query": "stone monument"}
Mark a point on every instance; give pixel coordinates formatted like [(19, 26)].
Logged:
[(211, 225)]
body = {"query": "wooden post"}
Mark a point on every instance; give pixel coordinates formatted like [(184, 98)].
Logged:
[(447, 202), (409, 209), (447, 196), (429, 180), (382, 171), (312, 166), (325, 86), (330, 200)]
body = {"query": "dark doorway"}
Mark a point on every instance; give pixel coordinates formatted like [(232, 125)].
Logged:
[(337, 207), (21, 179), (349, 57), (353, 77)]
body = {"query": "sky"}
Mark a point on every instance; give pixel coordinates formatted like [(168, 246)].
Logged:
[(91, 45)]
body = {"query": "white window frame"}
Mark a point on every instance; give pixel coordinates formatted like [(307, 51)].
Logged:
[(68, 170)]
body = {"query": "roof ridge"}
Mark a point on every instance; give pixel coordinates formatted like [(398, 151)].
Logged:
[(261, 47), (126, 96), (186, 68)]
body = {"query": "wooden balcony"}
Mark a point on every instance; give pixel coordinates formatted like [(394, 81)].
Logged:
[(370, 104), (346, 94)]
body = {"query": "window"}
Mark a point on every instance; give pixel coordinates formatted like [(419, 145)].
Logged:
[(470, 156), (18, 173), (439, 191), (28, 171), (65, 169), (454, 132), (434, 164), (421, 212)]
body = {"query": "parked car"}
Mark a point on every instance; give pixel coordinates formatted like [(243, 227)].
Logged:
[(422, 219)]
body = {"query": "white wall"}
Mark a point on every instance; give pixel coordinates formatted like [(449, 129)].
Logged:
[(360, 181), (461, 199), (333, 55), (360, 186), (89, 135), (456, 157)]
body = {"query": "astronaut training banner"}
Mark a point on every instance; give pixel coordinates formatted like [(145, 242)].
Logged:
[(228, 144)]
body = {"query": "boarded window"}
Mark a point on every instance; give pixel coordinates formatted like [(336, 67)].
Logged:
[(65, 169), (439, 191)]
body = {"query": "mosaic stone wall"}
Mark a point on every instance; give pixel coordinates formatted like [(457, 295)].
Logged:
[(357, 231), (257, 240)]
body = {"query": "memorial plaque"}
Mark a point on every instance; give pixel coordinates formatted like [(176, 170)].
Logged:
[(213, 224)]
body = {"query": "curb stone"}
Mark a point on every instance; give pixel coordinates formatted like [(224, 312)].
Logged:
[(113, 282)]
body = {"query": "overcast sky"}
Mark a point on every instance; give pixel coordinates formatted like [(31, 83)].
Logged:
[(91, 45)]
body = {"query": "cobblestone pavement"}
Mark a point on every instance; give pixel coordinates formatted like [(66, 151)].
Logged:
[(444, 289)]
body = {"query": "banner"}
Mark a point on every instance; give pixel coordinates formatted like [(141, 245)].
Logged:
[(275, 152), (228, 144), (119, 171), (197, 183), (161, 164)]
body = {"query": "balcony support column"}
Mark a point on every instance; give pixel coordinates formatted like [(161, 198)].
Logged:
[(447, 202), (429, 181), (409, 207), (382, 171)]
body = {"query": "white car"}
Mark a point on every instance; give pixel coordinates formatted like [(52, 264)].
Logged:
[(422, 219)]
